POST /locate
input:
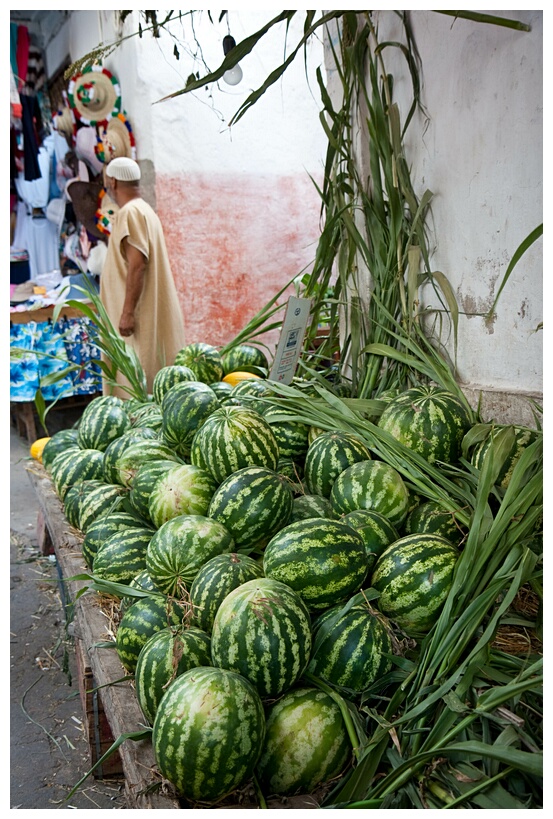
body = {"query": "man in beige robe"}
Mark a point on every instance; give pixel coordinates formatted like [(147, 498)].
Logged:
[(137, 288)]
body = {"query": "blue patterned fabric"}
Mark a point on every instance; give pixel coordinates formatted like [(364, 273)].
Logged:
[(46, 348)]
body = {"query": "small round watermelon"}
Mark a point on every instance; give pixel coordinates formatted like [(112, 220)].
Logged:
[(376, 530), (185, 407), (429, 420), (97, 429), (144, 618), (208, 733), (306, 743), (431, 517), (60, 441), (167, 377), (323, 560), (184, 490), (414, 576), (180, 547), (327, 456), (262, 631), (217, 578), (203, 359), (243, 355), (522, 437), (165, 656), (70, 467), (373, 485)]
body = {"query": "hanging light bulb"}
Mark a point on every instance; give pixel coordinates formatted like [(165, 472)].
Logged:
[(234, 75)]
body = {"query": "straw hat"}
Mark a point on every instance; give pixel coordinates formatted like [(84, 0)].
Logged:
[(94, 95), (115, 139), (55, 212), (64, 122), (105, 213)]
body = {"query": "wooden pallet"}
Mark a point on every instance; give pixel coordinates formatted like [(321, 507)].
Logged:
[(109, 709)]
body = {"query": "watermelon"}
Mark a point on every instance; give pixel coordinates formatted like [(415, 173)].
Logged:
[(72, 498), (183, 490), (311, 506), (376, 530), (70, 467), (373, 485), (323, 560), (522, 437), (143, 484), (217, 578), (60, 441), (101, 529), (144, 618), (167, 377), (142, 582), (262, 631), (180, 547), (185, 407), (222, 390), (147, 416), (243, 355), (140, 452), (102, 499), (203, 359), (351, 647), (208, 733), (428, 420), (293, 472), (253, 504), (291, 436), (165, 656), (99, 428), (122, 555), (306, 743), (414, 576), (249, 392), (232, 438), (431, 517), (116, 448), (327, 457)]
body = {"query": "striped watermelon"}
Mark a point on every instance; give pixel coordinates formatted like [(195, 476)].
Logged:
[(431, 517), (72, 498), (203, 359), (208, 733), (101, 529), (327, 457), (291, 436), (253, 504), (522, 437), (185, 407), (262, 630), (144, 618), (167, 377), (414, 576), (114, 450), (306, 743), (323, 560), (232, 438), (142, 582), (147, 416), (351, 647), (373, 485), (180, 547), (138, 453), (221, 389), (428, 420), (122, 555), (311, 506), (217, 578), (99, 428), (101, 500), (165, 656), (376, 530), (143, 484), (183, 490), (244, 355), (293, 472), (250, 392), (60, 441), (70, 467)]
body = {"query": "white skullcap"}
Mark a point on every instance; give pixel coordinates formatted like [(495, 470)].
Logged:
[(124, 169)]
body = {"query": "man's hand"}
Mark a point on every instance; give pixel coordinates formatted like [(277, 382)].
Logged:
[(126, 324)]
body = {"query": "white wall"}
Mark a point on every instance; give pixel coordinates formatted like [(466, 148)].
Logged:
[(480, 153)]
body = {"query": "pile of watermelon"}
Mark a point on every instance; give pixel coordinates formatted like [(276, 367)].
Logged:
[(272, 568)]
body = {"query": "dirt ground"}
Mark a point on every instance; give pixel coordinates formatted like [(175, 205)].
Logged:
[(48, 749)]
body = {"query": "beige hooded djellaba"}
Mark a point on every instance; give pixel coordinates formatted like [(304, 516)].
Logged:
[(159, 326)]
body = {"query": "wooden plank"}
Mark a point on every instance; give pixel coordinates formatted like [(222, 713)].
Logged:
[(118, 700)]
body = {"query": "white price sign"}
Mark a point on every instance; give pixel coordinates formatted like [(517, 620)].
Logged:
[(291, 340)]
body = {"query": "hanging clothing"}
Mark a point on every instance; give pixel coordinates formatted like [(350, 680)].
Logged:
[(30, 113), (42, 246)]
